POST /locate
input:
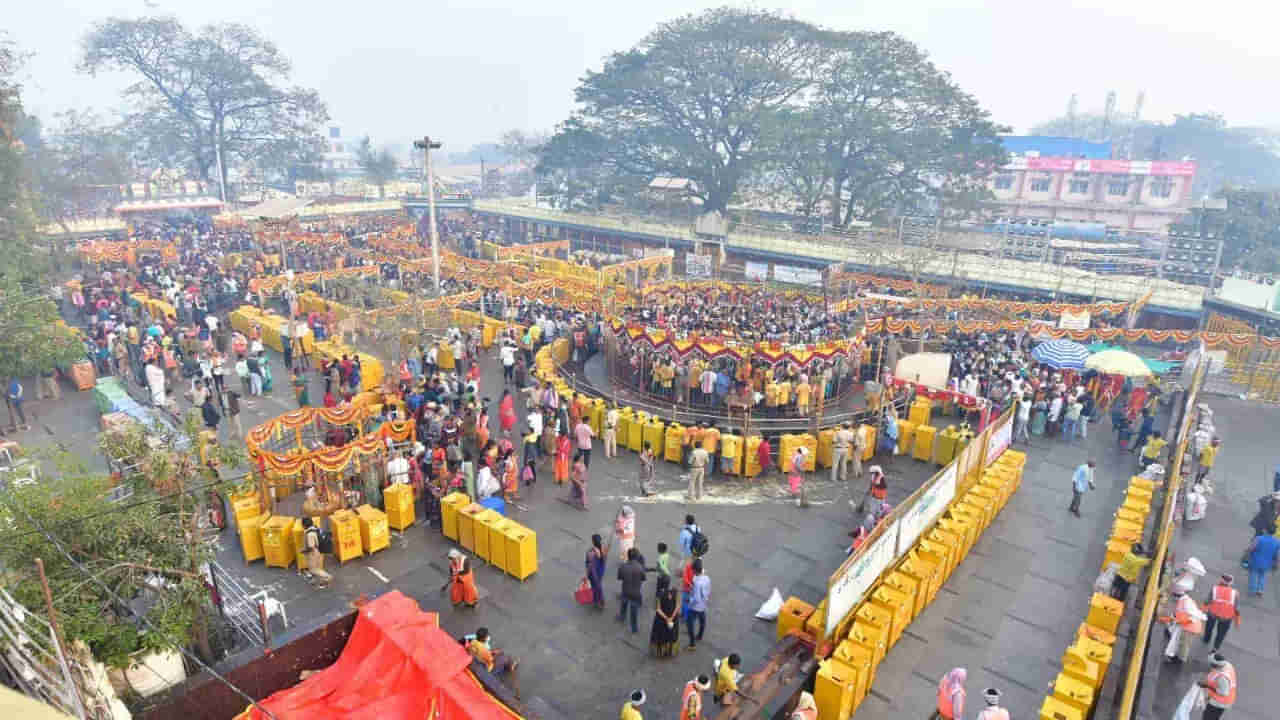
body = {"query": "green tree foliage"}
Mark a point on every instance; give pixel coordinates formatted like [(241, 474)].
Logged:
[(221, 88), (844, 124), (379, 166), (1251, 227), (694, 98), (80, 162), (155, 535), (891, 125), (1226, 156), (32, 339)]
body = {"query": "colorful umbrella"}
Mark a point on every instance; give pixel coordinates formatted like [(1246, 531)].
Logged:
[(1118, 362), (1061, 354)]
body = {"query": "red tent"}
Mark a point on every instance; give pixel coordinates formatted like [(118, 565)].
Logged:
[(398, 665)]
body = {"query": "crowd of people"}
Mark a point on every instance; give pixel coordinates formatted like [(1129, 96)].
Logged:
[(456, 446)]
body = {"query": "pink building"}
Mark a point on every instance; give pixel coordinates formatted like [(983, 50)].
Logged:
[(1138, 195)]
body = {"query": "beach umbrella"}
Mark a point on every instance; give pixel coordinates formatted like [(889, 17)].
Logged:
[(1118, 362), (1061, 354)]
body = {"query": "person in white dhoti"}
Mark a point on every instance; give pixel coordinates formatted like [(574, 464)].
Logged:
[(155, 382), (1187, 620)]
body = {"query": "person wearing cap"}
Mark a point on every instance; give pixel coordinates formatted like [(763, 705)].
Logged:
[(1187, 619), (1081, 482), (877, 487), (1220, 687), (698, 460), (630, 709), (1223, 608), (1207, 457), (841, 444), (1130, 569), (992, 711), (691, 698)]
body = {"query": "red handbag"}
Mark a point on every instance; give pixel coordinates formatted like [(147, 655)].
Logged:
[(583, 594)]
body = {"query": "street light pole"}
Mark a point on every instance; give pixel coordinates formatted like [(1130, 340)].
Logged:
[(426, 145)]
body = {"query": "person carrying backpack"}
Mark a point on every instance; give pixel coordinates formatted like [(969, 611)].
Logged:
[(313, 542), (693, 543)]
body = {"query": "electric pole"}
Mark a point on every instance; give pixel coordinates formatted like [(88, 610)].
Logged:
[(426, 145)]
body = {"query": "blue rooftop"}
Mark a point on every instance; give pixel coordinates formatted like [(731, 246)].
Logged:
[(1049, 146)]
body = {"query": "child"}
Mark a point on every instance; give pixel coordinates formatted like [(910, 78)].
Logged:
[(530, 476), (664, 560)]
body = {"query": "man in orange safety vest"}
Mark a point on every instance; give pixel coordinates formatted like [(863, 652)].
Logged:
[(1224, 609), (1220, 686)]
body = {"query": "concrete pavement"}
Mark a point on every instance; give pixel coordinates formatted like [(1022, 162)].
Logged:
[(1007, 613)]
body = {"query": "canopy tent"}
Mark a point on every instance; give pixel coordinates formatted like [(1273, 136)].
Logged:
[(398, 664), (1118, 362), (1061, 354), (1159, 367)]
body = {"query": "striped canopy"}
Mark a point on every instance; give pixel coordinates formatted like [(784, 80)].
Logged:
[(1061, 354)]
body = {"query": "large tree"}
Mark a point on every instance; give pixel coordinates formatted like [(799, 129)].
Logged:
[(696, 98), (219, 93), (79, 164), (891, 126), (32, 337)]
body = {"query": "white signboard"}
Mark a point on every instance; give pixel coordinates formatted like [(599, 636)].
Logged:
[(999, 441), (698, 266), (926, 509), (859, 575), (1074, 320), (797, 275), (757, 271)]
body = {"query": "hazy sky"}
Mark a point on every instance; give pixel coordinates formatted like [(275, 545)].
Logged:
[(466, 71)]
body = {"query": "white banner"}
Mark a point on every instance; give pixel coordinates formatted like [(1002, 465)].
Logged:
[(999, 441), (698, 266), (756, 271), (797, 275), (859, 575), (926, 509), (1074, 321)]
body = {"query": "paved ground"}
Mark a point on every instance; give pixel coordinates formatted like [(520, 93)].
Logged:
[(1006, 614)]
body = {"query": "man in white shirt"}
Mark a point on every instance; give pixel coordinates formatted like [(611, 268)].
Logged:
[(211, 321), (486, 484), (398, 469), (508, 355)]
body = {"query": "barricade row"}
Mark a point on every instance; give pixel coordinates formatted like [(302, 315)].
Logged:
[(867, 634), (1085, 662)]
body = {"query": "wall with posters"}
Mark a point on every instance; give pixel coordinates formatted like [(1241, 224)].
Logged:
[(797, 275), (858, 574), (697, 266), (999, 440), (911, 519), (926, 509)]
